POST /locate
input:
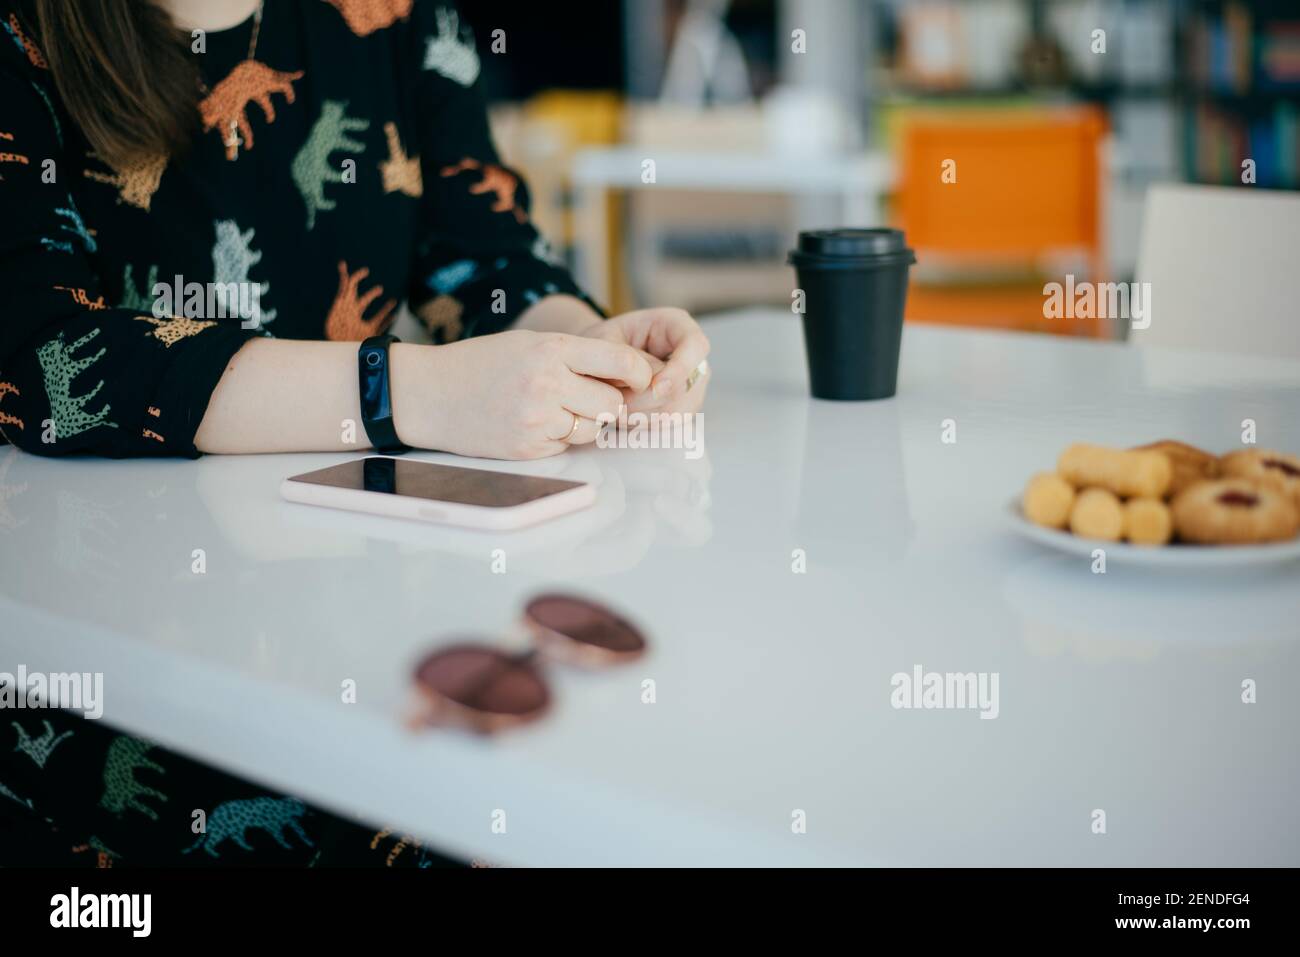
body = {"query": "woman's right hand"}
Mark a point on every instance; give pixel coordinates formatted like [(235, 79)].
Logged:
[(512, 395)]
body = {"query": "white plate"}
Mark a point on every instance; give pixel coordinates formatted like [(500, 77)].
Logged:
[(1167, 556)]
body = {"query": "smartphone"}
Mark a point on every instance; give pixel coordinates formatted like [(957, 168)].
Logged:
[(445, 494)]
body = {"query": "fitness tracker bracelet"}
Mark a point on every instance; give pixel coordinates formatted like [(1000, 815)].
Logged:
[(376, 395)]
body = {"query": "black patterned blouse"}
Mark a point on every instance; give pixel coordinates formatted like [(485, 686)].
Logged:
[(345, 169)]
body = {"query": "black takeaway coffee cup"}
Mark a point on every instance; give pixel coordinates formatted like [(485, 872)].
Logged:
[(854, 283)]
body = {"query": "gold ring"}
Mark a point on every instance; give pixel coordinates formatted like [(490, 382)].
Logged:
[(699, 372), (576, 422)]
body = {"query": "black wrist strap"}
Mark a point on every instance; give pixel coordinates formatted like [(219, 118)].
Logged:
[(376, 395)]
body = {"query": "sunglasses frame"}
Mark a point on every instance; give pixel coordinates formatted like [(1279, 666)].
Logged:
[(438, 710), (442, 711)]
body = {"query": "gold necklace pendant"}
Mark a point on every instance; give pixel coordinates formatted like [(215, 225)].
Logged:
[(232, 141)]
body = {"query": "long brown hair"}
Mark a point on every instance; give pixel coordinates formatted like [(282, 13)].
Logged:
[(124, 72)]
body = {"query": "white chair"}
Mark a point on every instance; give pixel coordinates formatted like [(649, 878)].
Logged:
[(1223, 265)]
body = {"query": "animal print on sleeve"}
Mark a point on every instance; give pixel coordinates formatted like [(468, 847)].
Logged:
[(171, 331), (500, 183), (14, 28), (346, 321), (8, 388), (72, 224), (68, 411), (6, 154)]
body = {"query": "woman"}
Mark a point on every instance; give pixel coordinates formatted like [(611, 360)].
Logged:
[(207, 204), (309, 165)]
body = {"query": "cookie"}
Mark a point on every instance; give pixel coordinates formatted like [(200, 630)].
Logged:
[(1047, 500), (1233, 511), (1097, 513), (1190, 464), (1147, 521), (1277, 470), (1140, 474)]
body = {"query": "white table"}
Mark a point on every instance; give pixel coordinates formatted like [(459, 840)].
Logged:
[(858, 181), (1119, 692)]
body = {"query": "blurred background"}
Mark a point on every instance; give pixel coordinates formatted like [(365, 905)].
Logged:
[(675, 147)]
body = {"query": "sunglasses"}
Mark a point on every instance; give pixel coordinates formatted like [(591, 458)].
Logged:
[(485, 689)]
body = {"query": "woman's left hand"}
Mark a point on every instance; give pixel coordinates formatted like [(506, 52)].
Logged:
[(674, 338)]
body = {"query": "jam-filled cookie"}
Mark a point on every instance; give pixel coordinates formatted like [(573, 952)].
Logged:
[(1190, 464), (1276, 470), (1233, 511)]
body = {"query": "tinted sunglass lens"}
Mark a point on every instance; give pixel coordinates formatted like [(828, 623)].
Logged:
[(585, 622), (483, 679)]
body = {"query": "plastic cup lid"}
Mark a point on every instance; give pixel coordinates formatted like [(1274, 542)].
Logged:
[(852, 243)]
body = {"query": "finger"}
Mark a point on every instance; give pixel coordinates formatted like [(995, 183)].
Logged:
[(658, 331), (607, 360), (606, 331), (590, 398), (688, 353), (687, 401), (656, 365)]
